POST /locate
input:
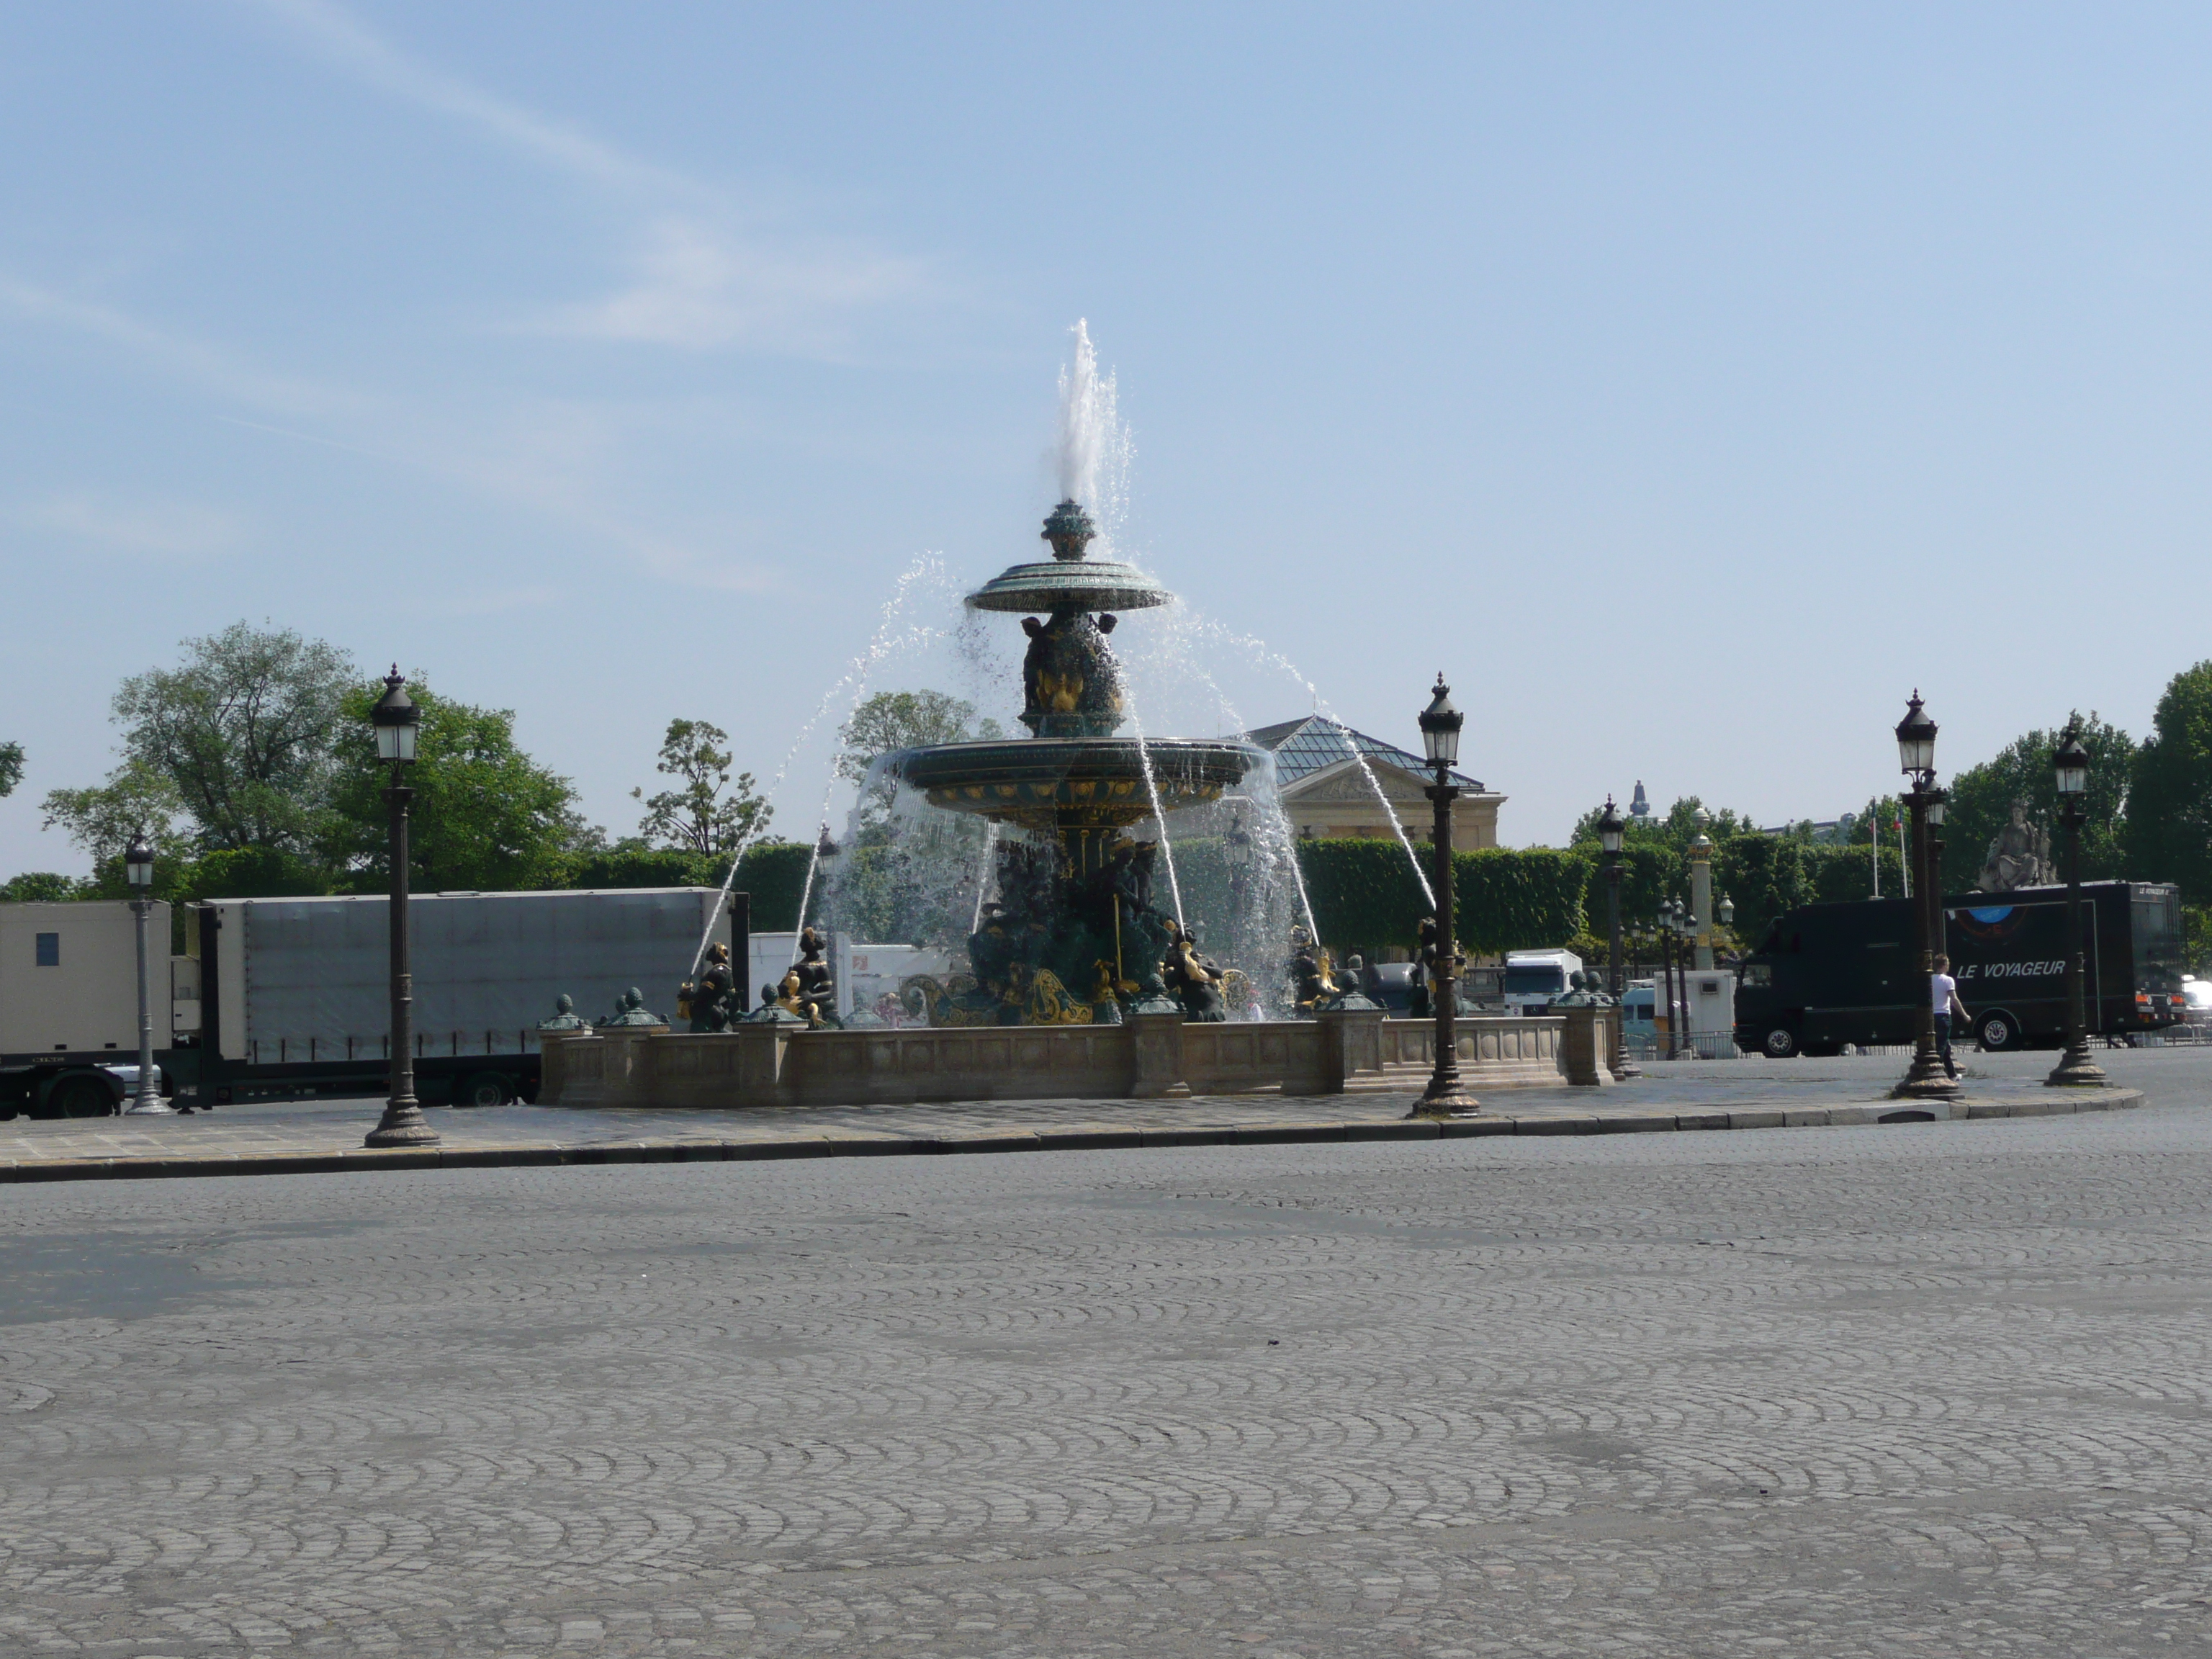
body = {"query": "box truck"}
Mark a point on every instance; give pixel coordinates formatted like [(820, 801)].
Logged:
[(1829, 974)]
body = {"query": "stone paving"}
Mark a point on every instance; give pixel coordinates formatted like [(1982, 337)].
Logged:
[(1741, 1094), (1936, 1389)]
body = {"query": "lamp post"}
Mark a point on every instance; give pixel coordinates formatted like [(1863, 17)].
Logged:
[(396, 719), (1667, 930), (1236, 847), (1916, 758), (1609, 828), (138, 868), (1440, 727), (1685, 930), (2075, 1067)]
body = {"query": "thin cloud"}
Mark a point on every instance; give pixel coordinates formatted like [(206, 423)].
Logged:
[(702, 288), (211, 366), (341, 38), (167, 529), (701, 279)]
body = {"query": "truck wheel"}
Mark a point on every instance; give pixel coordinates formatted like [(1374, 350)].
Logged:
[(486, 1089), (1779, 1042), (1999, 1032), (80, 1096)]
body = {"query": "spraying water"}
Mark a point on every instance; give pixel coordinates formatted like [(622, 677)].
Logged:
[(1153, 795), (927, 569), (1262, 652)]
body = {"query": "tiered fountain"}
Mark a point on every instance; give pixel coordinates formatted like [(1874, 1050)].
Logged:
[(1074, 937)]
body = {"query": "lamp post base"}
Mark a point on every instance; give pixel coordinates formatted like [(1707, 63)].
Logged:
[(1445, 1099), (402, 1125), (1926, 1079), (158, 1107), (2076, 1069)]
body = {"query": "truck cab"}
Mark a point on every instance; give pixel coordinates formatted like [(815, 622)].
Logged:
[(1532, 978)]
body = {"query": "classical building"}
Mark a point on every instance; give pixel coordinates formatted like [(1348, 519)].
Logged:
[(1326, 792)]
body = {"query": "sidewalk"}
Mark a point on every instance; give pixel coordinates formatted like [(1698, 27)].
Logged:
[(325, 1136)]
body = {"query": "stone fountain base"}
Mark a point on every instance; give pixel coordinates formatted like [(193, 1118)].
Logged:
[(1147, 1056)]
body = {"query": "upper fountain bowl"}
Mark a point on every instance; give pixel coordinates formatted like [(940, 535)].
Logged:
[(1069, 581)]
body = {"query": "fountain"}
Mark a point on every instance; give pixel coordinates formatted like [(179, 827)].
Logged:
[(1075, 937), (1083, 980)]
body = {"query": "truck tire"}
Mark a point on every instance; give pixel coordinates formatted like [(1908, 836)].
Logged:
[(1998, 1031), (485, 1089), (79, 1096), (1780, 1043)]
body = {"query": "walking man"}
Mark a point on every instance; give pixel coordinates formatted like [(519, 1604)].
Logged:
[(1945, 991)]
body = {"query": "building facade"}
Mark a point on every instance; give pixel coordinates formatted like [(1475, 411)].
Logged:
[(1326, 792)]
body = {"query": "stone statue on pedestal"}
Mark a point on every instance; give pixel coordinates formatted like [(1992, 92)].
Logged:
[(632, 1010), (2020, 856)]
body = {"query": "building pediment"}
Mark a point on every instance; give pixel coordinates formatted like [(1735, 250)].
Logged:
[(1345, 781)]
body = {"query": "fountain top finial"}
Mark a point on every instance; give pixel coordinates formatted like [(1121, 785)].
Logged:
[(1069, 529)]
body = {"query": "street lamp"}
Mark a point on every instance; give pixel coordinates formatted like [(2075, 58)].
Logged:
[(396, 721), (2071, 764), (1916, 758), (1609, 828), (1685, 930), (1440, 726), (138, 870)]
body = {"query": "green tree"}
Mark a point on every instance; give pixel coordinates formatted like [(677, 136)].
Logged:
[(11, 767), (891, 720), (485, 816), (1982, 798), (246, 730), (2169, 826), (138, 800), (698, 815), (40, 887)]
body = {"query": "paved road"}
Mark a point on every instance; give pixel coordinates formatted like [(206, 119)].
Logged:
[(1939, 1389), (1749, 1091)]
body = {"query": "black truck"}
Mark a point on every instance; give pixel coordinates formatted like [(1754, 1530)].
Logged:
[(1828, 975)]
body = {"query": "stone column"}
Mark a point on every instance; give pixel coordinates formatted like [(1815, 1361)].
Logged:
[(1701, 894), (1350, 1042), (1585, 1045), (1156, 1056)]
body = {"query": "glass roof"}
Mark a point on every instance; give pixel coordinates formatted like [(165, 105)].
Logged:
[(1310, 744)]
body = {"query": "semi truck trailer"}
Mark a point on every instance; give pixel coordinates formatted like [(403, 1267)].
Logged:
[(290, 998)]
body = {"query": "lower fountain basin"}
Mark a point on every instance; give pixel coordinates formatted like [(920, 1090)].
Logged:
[(1065, 783)]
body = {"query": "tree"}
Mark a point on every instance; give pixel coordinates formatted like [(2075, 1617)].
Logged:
[(486, 816), (1982, 798), (11, 768), (891, 720), (696, 817), (2169, 826), (40, 887), (245, 731), (138, 800)]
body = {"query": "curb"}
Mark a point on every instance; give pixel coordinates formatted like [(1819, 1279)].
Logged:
[(1057, 1140)]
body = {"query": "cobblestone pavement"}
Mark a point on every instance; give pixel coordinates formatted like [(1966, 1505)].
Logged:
[(1935, 1389), (323, 1127)]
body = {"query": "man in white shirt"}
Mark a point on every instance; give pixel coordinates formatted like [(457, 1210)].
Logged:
[(1945, 991)]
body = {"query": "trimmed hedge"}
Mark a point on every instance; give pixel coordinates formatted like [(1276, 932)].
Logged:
[(1365, 896)]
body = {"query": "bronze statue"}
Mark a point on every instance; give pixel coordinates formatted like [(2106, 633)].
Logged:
[(565, 1016), (1192, 978), (2020, 856), (817, 989), (1422, 1005), (1311, 983), (707, 1003), (631, 1011)]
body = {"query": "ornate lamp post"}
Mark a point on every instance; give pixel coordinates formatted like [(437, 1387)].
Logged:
[(1916, 758), (1685, 936), (1609, 828), (1440, 727), (396, 719), (138, 867), (1236, 847), (2071, 763)]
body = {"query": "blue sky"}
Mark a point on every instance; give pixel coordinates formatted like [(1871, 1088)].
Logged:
[(1687, 383)]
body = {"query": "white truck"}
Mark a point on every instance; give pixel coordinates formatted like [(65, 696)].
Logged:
[(290, 998), (1532, 978)]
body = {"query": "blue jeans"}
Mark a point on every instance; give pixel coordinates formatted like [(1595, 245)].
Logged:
[(1943, 1042)]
